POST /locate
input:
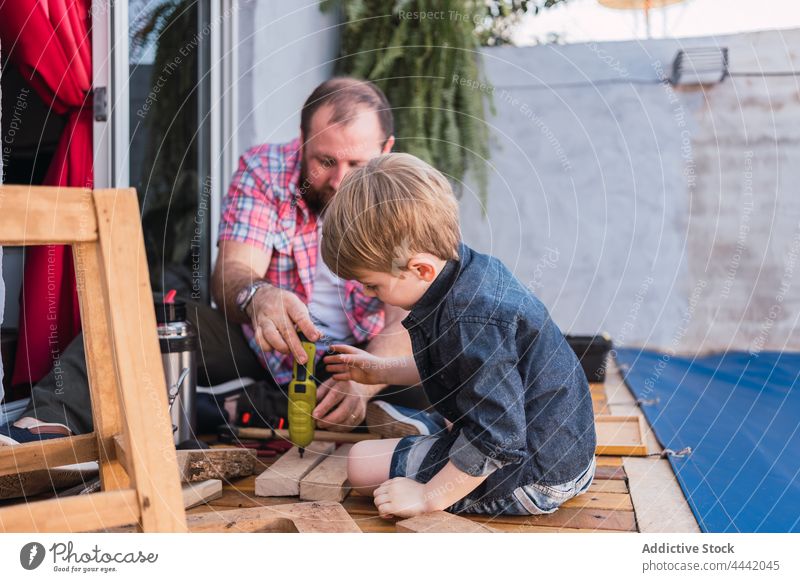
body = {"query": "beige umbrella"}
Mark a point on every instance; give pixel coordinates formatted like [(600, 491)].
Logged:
[(644, 5)]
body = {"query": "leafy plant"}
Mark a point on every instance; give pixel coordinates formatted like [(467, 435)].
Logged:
[(424, 54), (429, 69)]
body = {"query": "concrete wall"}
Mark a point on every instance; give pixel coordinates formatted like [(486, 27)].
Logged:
[(284, 51), (667, 218)]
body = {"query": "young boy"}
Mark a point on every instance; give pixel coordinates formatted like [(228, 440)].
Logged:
[(489, 357)]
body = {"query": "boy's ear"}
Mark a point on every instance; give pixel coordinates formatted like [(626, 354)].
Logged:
[(422, 268)]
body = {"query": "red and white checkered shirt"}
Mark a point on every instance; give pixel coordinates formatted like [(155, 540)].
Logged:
[(264, 208)]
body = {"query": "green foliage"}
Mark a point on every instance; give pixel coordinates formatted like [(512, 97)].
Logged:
[(503, 16), (430, 70), (424, 54)]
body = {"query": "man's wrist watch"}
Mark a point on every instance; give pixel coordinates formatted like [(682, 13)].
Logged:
[(245, 296)]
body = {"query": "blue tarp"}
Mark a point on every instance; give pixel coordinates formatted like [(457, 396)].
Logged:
[(740, 414)]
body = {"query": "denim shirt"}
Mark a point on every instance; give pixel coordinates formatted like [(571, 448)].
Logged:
[(494, 363)]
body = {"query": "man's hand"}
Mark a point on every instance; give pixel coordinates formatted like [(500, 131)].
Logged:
[(349, 363), (401, 497), (274, 314), (341, 405)]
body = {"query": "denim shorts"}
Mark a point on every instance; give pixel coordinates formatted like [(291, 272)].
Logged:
[(418, 458)]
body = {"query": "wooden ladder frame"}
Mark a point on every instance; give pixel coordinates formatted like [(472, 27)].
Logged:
[(140, 482)]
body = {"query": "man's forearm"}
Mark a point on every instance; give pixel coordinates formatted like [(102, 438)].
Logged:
[(226, 286)]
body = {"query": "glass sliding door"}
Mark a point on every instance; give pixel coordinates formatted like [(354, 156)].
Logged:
[(169, 145)]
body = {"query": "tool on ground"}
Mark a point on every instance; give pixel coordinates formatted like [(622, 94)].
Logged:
[(302, 398), (229, 434)]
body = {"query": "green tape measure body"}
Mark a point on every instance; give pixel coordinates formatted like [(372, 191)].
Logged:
[(303, 399)]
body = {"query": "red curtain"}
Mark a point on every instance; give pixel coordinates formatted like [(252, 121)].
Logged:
[(49, 41)]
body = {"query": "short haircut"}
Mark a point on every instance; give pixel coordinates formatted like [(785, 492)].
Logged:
[(394, 206), (346, 96)]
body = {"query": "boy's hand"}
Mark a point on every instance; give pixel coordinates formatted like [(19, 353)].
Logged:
[(356, 365), (401, 497)]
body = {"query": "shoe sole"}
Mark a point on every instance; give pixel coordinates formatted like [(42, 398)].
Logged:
[(381, 421)]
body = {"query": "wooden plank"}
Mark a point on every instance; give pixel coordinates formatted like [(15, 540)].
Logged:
[(284, 475), (572, 517), (620, 435), (440, 522), (658, 499), (48, 453), (201, 492), (517, 529), (328, 480), (36, 215), (71, 514), (600, 407), (100, 371), (615, 473), (606, 461), (613, 501), (151, 458), (580, 518), (608, 486), (313, 517), (319, 435), (224, 463)]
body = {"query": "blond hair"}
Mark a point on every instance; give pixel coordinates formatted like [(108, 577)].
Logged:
[(384, 212)]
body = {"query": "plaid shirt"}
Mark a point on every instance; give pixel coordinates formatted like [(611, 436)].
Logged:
[(263, 208)]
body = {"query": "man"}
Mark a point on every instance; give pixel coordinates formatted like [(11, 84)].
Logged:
[(269, 278)]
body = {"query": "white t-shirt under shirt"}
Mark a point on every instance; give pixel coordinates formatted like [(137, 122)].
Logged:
[(327, 301)]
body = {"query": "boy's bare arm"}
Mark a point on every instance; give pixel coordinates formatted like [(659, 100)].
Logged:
[(404, 497), (391, 342), (353, 364)]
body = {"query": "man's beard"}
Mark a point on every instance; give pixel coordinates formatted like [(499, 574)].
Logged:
[(316, 200)]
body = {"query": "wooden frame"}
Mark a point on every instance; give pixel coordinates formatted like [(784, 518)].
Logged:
[(126, 377)]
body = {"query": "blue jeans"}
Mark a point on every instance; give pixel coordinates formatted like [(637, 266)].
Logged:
[(417, 458)]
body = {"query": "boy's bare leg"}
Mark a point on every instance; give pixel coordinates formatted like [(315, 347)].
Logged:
[(368, 464)]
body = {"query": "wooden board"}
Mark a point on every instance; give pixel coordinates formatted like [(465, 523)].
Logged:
[(605, 461), (609, 473), (224, 463), (48, 453), (313, 517), (151, 461), (195, 494), (51, 215), (440, 522), (92, 512), (580, 518), (659, 502), (613, 501), (100, 371), (608, 486), (328, 480), (620, 435), (283, 477), (569, 517)]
